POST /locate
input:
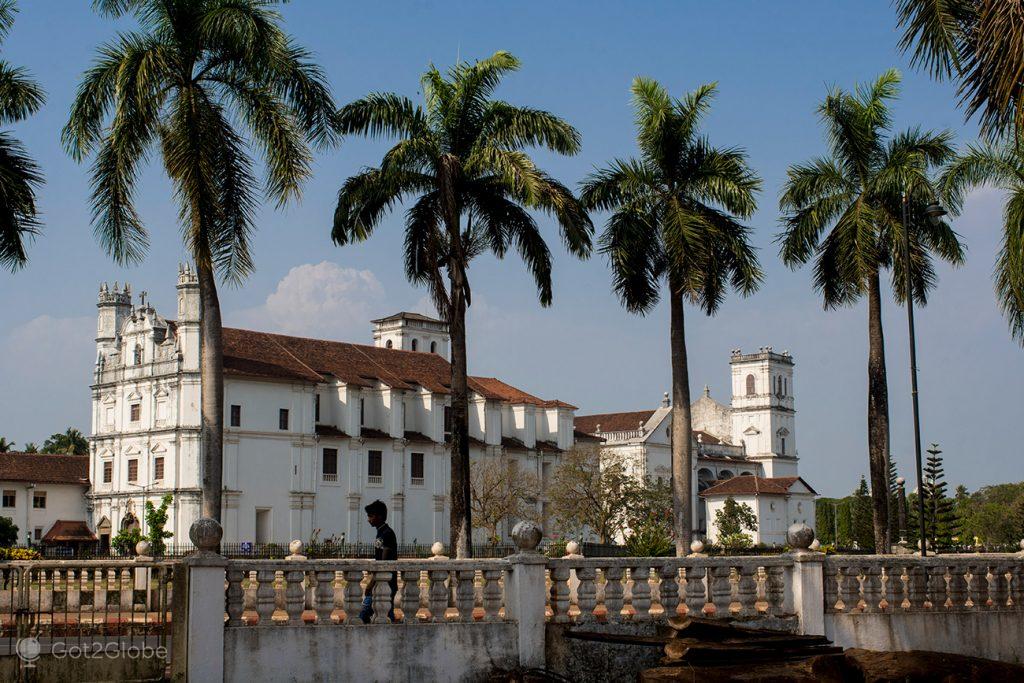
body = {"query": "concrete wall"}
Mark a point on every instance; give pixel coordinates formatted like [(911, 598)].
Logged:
[(376, 652), (985, 633), (63, 501)]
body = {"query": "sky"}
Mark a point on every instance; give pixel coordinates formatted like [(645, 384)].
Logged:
[(773, 62)]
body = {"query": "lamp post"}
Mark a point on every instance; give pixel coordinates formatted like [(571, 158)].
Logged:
[(934, 212), (901, 509)]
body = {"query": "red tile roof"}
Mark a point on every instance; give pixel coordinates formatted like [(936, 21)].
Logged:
[(64, 531), (44, 468), (276, 356), (752, 485), (709, 439), (548, 446), (330, 432), (613, 422)]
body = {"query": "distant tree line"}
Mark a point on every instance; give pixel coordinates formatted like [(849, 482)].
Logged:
[(69, 442)]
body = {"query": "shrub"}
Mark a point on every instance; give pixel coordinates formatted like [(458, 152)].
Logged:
[(125, 541), (650, 540), (8, 532), (556, 547), (19, 554)]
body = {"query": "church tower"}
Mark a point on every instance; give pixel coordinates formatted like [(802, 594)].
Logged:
[(188, 316), (412, 332), (762, 409), (115, 306)]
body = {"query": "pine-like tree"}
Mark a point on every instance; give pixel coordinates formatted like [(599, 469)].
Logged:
[(940, 515), (894, 502), (862, 527)]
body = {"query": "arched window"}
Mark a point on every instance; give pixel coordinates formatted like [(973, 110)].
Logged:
[(138, 355), (388, 344), (433, 347), (785, 387), (751, 389), (415, 344), (782, 446)]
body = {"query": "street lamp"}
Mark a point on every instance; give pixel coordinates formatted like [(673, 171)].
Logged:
[(934, 212), (901, 509)]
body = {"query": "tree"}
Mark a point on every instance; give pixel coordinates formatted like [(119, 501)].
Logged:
[(501, 490), (894, 501), (591, 493), (125, 540), (6, 445), (20, 177), (31, 447), (650, 505), (674, 221), (202, 82), (70, 442), (1001, 167), (732, 520), (8, 532), (156, 520), (460, 159), (862, 531), (855, 196), (940, 515)]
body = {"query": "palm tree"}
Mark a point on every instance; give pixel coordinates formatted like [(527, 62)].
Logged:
[(202, 81), (69, 442), (855, 196), (20, 97), (674, 220), (1000, 166), (460, 157), (31, 447), (6, 445)]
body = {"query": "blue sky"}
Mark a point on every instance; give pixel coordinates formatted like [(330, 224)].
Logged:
[(773, 63)]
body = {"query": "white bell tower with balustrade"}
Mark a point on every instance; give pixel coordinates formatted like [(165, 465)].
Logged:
[(763, 416)]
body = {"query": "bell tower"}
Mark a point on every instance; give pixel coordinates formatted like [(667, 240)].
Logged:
[(412, 332), (763, 416), (115, 306)]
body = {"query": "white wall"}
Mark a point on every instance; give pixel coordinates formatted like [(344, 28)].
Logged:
[(63, 501)]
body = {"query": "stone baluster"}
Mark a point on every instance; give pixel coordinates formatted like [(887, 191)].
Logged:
[(1017, 584), (492, 595), (775, 589), (324, 602), (721, 589), (586, 594), (668, 590), (970, 587), (464, 597), (641, 593), (381, 594), (294, 595), (997, 587), (410, 595), (613, 594), (353, 596), (265, 595), (438, 600), (696, 591), (830, 585), (957, 587), (560, 594), (746, 590), (871, 587), (849, 588), (936, 587), (235, 597), (917, 582)]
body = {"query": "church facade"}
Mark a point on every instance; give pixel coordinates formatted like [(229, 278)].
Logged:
[(752, 441), (314, 429)]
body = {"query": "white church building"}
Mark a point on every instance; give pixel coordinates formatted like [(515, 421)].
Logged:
[(745, 450), (314, 429)]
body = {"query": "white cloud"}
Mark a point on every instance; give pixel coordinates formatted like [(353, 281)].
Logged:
[(319, 300)]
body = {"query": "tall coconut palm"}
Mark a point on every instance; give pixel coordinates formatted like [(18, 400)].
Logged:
[(20, 97), (201, 82), (460, 160), (6, 446), (674, 227), (1002, 167), (843, 211)]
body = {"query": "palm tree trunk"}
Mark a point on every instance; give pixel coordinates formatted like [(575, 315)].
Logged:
[(461, 522), (682, 438), (211, 367), (878, 418)]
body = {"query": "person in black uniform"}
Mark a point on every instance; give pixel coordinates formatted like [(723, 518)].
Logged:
[(385, 548)]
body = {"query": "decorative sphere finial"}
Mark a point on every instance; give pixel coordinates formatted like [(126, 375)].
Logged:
[(295, 548), (572, 548), (800, 536), (696, 546), (526, 535), (142, 548), (437, 550), (205, 533)]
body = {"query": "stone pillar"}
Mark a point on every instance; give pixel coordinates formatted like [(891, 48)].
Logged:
[(524, 594), (198, 639), (805, 595)]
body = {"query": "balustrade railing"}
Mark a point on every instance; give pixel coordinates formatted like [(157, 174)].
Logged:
[(266, 593), (615, 590), (942, 583), (85, 604)]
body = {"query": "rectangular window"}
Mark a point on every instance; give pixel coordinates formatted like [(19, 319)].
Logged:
[(37, 533), (39, 500), (330, 464), (282, 419), (133, 470), (158, 469), (447, 422), (362, 412), (416, 468), (135, 412), (108, 471), (236, 416), (9, 498), (316, 408), (375, 467)]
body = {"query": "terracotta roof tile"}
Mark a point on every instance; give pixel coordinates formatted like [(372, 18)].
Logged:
[(370, 433), (613, 422), (549, 446), (44, 468), (418, 437), (752, 485), (583, 436), (64, 531), (330, 431), (512, 443)]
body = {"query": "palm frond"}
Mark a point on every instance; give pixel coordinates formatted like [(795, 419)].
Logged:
[(933, 33), (20, 178)]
